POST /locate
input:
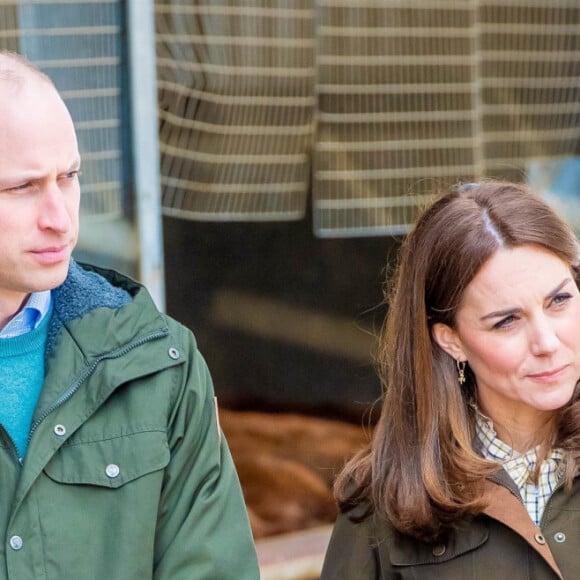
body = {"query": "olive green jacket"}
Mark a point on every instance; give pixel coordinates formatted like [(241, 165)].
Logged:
[(127, 475), (501, 544)]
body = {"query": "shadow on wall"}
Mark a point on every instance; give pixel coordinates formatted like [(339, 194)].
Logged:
[(286, 321)]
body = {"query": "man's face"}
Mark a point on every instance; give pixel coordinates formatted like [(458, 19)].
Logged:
[(39, 191)]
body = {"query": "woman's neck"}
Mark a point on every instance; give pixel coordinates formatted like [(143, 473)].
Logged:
[(522, 432)]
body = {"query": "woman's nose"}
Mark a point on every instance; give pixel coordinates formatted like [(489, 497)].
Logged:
[(544, 339)]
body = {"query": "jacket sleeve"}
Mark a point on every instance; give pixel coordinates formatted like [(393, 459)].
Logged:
[(203, 529), (351, 554)]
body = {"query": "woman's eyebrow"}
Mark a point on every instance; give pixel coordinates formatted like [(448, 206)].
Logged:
[(501, 313), (558, 288), (512, 311)]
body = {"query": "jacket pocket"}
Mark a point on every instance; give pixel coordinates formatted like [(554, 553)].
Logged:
[(444, 560), (110, 462)]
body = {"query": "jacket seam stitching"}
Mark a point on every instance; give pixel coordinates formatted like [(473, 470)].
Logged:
[(73, 443)]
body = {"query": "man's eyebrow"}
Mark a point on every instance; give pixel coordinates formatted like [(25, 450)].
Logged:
[(512, 311), (73, 165), (33, 175), (16, 179)]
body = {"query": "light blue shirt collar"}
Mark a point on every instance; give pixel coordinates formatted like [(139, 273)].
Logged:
[(30, 316)]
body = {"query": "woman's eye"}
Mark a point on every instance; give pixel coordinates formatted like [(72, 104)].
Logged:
[(560, 299), (504, 322)]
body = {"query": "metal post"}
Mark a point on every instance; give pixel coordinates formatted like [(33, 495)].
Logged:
[(143, 88)]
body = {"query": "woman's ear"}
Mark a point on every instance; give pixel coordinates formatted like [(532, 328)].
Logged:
[(448, 340)]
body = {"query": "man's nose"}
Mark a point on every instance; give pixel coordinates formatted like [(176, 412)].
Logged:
[(53, 210)]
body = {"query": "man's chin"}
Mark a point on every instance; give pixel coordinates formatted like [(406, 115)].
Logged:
[(52, 276)]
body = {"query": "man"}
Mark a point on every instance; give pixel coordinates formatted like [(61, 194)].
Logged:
[(112, 463)]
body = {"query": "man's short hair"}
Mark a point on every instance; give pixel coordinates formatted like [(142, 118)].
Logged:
[(16, 68)]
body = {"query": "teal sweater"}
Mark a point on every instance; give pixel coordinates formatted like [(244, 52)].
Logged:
[(21, 378)]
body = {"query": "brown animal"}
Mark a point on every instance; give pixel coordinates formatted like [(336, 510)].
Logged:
[(287, 464)]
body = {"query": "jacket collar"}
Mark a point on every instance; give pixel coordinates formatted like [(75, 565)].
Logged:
[(505, 507), (84, 290)]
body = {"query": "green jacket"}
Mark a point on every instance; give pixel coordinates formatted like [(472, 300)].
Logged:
[(127, 475), (501, 544)]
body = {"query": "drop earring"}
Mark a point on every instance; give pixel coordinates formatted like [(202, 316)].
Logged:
[(460, 371)]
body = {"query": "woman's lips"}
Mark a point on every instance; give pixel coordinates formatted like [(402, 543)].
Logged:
[(548, 375)]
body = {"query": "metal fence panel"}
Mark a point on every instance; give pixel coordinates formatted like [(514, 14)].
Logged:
[(379, 100), (236, 107), (416, 94)]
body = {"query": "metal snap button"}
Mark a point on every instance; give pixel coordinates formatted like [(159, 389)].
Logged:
[(173, 353), (59, 430), (540, 539), (16, 542), (560, 537), (112, 470), (439, 550)]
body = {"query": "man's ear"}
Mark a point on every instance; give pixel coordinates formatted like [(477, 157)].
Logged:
[(448, 340)]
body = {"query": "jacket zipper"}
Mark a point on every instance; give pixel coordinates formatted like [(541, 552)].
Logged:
[(12, 446), (89, 371)]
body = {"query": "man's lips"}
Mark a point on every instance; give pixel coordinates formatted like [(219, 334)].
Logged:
[(49, 249), (51, 254)]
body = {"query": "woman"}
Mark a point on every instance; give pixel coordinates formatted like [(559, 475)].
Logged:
[(472, 469)]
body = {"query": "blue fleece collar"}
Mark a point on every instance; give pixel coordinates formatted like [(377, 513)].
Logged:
[(81, 292)]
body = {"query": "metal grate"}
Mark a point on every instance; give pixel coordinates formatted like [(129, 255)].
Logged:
[(529, 74), (236, 107), (78, 44), (415, 93), (395, 110), (406, 95)]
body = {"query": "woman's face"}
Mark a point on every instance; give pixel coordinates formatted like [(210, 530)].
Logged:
[(518, 328)]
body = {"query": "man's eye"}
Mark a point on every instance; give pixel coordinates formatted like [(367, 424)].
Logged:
[(21, 187)]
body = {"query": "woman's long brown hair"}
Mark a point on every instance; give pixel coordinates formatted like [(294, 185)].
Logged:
[(420, 468)]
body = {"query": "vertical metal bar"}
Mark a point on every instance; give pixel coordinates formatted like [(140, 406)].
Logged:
[(479, 165), (147, 181)]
